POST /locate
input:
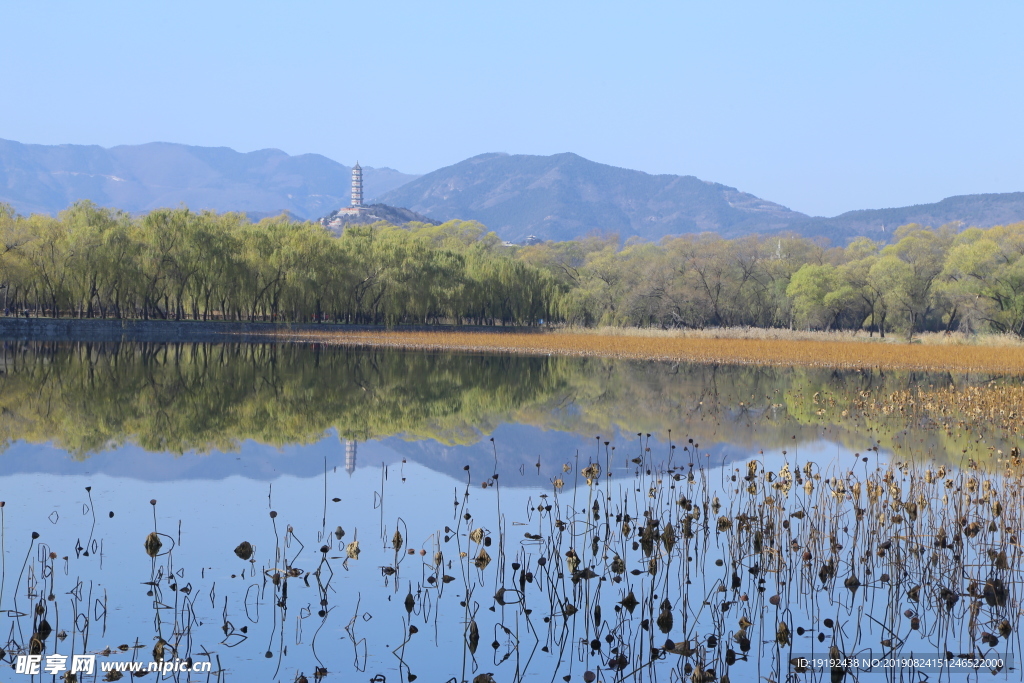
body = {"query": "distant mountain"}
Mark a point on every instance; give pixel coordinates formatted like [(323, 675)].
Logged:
[(564, 196), (979, 210), (138, 178)]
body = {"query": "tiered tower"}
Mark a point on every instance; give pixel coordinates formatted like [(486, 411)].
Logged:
[(357, 213), (357, 185)]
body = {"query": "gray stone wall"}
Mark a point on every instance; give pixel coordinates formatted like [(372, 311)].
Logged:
[(72, 329), (170, 331)]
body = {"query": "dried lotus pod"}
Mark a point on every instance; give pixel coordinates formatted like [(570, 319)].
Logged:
[(153, 544)]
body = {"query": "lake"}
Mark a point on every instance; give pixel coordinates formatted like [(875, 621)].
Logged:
[(301, 512)]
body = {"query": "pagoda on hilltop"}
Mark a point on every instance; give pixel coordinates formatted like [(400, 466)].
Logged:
[(356, 213), (357, 185)]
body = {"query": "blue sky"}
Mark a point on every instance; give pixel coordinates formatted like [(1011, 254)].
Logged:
[(821, 106)]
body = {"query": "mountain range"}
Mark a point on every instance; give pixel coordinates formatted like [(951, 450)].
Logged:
[(564, 196), (139, 178), (557, 197)]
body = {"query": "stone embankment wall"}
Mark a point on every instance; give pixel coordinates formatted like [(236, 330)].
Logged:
[(184, 331), (72, 329)]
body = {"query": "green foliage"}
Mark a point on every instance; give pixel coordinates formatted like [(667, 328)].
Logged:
[(927, 280), (177, 264), (820, 295)]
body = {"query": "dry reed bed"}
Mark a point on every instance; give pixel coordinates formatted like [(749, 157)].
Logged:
[(784, 352), (931, 338)]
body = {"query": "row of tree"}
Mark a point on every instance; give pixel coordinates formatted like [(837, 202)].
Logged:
[(178, 264), (926, 279)]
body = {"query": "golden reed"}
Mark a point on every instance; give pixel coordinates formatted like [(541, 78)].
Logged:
[(783, 352)]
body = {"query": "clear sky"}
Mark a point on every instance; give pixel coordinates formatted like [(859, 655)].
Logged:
[(823, 106)]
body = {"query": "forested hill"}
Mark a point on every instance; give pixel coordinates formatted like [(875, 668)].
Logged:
[(564, 196), (138, 178)]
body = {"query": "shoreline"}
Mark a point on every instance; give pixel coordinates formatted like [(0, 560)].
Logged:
[(769, 347), (98, 330), (846, 355)]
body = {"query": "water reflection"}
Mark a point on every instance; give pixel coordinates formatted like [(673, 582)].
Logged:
[(441, 409), (377, 515)]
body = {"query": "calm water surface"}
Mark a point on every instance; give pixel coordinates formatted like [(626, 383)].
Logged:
[(565, 517)]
